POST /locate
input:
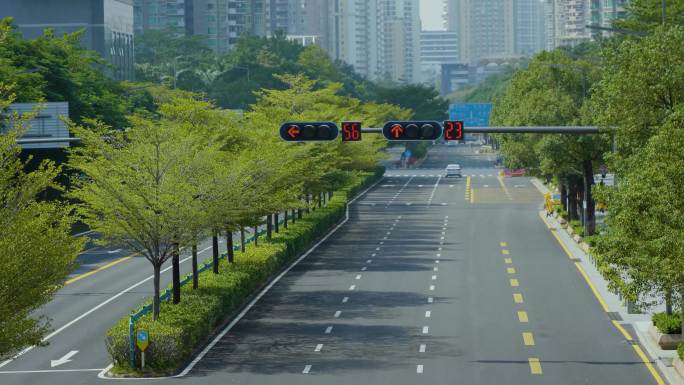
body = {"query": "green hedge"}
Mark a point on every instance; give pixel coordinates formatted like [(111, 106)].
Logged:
[(680, 350), (667, 324), (182, 328)]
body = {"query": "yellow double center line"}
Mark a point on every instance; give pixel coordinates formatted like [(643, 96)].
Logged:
[(469, 192), (99, 269)]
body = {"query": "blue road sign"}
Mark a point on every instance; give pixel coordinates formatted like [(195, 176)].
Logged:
[(472, 114)]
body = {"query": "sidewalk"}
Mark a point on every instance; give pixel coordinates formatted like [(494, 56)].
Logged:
[(613, 304)]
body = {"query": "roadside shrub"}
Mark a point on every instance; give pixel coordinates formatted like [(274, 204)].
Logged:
[(667, 324), (182, 328), (680, 350), (577, 227)]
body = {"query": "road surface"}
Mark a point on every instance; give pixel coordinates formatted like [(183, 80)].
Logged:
[(431, 281)]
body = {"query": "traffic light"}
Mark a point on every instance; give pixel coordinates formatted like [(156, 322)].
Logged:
[(412, 130), (351, 131), (309, 131), (453, 130)]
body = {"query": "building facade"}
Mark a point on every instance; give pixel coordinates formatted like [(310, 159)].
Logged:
[(108, 26), (379, 38), (437, 48), (566, 22), (485, 28), (529, 27), (161, 15)]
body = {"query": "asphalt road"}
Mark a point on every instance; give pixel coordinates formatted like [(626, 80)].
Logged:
[(431, 281)]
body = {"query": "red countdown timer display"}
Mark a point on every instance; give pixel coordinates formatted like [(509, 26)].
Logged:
[(351, 131), (453, 130)]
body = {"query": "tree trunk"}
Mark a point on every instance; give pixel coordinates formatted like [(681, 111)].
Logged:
[(156, 302), (668, 302), (307, 203), (276, 218), (269, 226), (572, 201), (242, 239), (256, 235), (215, 252), (563, 194), (285, 219), (229, 246), (320, 200), (590, 211), (175, 263), (299, 213), (195, 275), (681, 314)]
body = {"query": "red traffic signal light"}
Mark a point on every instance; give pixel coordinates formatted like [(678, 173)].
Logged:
[(453, 130), (309, 131), (412, 130), (351, 131)]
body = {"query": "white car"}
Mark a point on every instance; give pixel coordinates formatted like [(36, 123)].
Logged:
[(453, 170), (451, 143)]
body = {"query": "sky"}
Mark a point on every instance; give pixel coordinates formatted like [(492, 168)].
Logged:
[(431, 14)]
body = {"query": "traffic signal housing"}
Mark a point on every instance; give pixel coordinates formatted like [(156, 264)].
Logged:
[(423, 130), (309, 131), (453, 130)]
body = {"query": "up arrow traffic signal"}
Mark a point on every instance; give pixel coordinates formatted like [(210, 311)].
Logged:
[(397, 130), (422, 130), (309, 131)]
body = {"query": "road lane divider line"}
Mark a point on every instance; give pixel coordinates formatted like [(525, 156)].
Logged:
[(328, 330), (419, 369), (517, 298), (318, 348), (622, 330), (92, 310), (649, 365), (421, 348), (345, 299), (99, 269), (522, 316), (358, 276), (430, 300), (268, 287), (428, 314), (592, 287), (504, 188), (307, 369), (535, 365), (426, 329), (604, 306), (508, 261), (337, 314), (510, 270), (528, 338), (432, 287), (472, 196), (352, 287), (514, 282)]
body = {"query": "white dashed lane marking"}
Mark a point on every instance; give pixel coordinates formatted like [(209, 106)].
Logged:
[(345, 299), (419, 369), (421, 349), (428, 314), (426, 329), (352, 287), (318, 348), (337, 314), (307, 369), (328, 330)]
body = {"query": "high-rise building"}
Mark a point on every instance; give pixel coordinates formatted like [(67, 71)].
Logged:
[(380, 38), (222, 22), (529, 27), (485, 28), (437, 48), (108, 26), (161, 15), (566, 21), (603, 12)]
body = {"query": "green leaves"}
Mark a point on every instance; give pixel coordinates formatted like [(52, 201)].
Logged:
[(37, 250)]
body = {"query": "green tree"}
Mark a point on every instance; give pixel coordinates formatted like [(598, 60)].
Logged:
[(424, 101), (138, 187), (646, 15), (37, 250), (645, 243)]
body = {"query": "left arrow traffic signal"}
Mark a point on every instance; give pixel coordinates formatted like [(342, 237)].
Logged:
[(309, 131)]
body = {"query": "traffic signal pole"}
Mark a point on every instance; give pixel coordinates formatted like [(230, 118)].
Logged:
[(578, 130)]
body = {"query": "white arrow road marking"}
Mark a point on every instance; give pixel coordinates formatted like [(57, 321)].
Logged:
[(64, 359), (114, 251)]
